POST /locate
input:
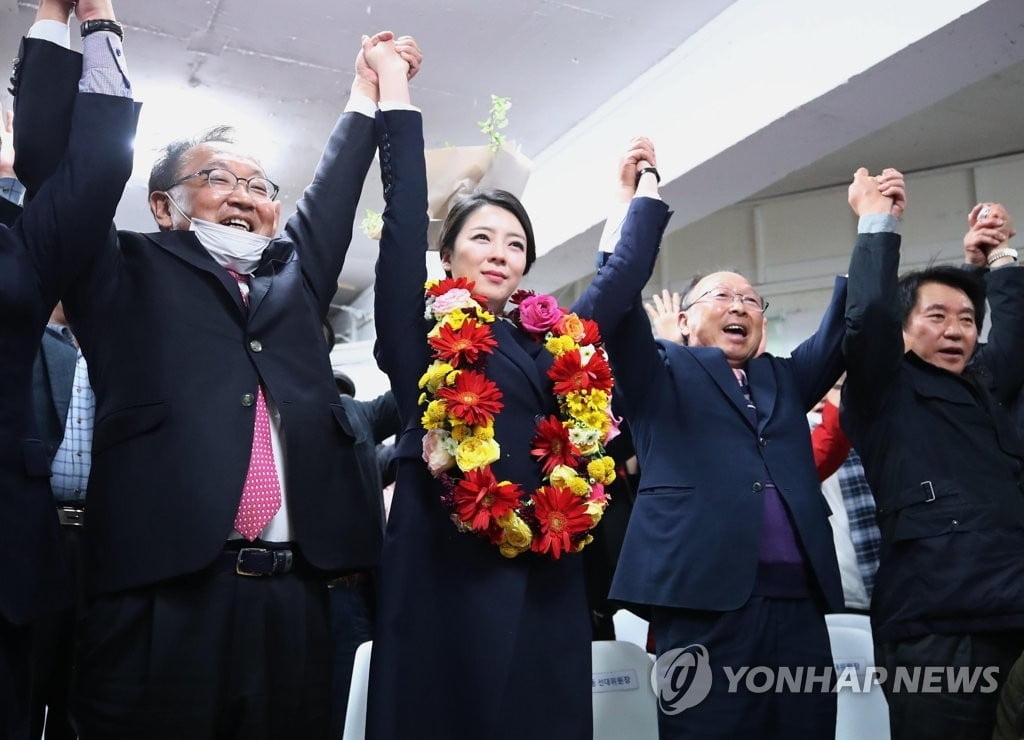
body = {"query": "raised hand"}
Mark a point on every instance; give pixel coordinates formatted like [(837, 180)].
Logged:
[(884, 193), (663, 311), (990, 228), (639, 154), (409, 50), (86, 10)]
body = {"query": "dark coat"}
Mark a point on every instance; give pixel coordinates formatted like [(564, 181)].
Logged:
[(942, 459)]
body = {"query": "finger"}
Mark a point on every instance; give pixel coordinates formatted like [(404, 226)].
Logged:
[(652, 314), (658, 303), (382, 36), (677, 301)]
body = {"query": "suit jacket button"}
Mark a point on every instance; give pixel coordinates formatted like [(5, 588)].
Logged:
[(757, 487), (248, 399), (762, 441), (256, 346)]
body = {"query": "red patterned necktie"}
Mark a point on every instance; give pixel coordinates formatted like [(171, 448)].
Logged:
[(261, 494)]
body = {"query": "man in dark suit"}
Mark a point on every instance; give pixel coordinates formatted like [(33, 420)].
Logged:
[(928, 416), (219, 501), (729, 540), (42, 252)]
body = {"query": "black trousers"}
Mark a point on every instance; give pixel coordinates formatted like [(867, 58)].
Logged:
[(210, 656), (770, 672), (924, 703), (14, 681), (52, 653)]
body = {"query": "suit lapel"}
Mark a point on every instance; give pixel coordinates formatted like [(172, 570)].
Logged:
[(185, 246), (713, 361), (59, 359), (522, 352)]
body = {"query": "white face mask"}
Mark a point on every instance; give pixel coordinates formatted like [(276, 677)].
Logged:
[(232, 248)]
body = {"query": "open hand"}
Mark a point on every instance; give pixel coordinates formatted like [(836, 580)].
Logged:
[(663, 311)]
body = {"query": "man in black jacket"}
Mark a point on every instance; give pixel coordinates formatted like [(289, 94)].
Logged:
[(945, 465)]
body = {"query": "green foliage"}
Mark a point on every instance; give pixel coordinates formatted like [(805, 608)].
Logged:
[(496, 120), (373, 224)]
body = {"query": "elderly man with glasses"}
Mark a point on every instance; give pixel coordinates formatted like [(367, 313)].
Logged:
[(728, 543), (221, 498)]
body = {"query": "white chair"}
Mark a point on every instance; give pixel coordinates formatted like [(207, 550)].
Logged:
[(860, 714), (355, 715), (623, 701)]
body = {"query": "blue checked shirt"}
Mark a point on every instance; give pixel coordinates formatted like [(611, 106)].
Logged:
[(860, 510), (74, 456)]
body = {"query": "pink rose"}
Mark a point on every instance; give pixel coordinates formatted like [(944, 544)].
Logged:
[(539, 313), (435, 451)]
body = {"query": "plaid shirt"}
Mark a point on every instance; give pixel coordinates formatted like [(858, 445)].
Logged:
[(860, 510), (74, 456)]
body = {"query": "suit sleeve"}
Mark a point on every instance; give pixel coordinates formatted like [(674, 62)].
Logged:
[(384, 419), (818, 361), (1003, 354), (321, 227), (401, 349), (874, 333), (45, 85)]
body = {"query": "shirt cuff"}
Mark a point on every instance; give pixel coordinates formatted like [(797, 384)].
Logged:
[(53, 31), (361, 104), (613, 227), (103, 66), (395, 105), (11, 189), (877, 223)]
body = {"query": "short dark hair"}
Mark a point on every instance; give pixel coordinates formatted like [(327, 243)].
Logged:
[(165, 170), (465, 206), (954, 277)]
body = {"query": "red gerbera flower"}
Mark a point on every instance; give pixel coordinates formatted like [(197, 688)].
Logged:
[(552, 447), (561, 515), (591, 333), (570, 375), (460, 282), (517, 297), (464, 345), (473, 399), (480, 499)]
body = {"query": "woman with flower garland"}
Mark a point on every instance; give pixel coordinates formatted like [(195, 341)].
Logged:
[(483, 629)]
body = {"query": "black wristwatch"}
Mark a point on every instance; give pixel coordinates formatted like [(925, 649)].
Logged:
[(102, 24)]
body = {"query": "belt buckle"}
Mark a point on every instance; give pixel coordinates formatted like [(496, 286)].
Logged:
[(238, 562), (70, 516), (929, 489)]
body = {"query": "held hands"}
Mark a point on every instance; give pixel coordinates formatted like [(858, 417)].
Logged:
[(380, 53), (884, 193), (55, 10), (663, 311), (990, 228), (86, 10), (639, 154)]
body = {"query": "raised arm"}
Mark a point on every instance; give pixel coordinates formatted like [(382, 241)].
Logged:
[(987, 242), (321, 228), (874, 333), (70, 218)]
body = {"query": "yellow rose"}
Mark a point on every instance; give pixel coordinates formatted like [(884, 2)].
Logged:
[(517, 532), (561, 475), (579, 487), (474, 453), (435, 415), (508, 551), (595, 509), (434, 377)]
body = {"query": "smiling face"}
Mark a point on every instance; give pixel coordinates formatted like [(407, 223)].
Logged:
[(941, 328), (198, 200), (490, 250), (729, 325)]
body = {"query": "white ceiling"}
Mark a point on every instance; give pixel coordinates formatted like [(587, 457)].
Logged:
[(281, 72)]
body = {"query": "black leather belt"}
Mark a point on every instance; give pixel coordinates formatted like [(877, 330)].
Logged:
[(71, 516), (260, 561)]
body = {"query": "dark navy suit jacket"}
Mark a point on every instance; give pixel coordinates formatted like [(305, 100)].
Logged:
[(175, 359), (694, 534), (40, 255)]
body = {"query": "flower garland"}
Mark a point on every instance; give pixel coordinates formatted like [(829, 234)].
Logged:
[(461, 403)]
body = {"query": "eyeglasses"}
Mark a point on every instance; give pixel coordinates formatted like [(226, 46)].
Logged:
[(725, 297), (224, 182)]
